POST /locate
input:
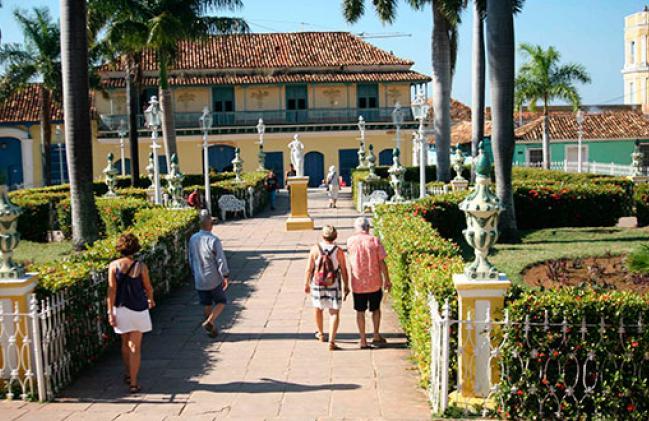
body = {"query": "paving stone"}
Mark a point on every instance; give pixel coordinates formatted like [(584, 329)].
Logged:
[(265, 365)]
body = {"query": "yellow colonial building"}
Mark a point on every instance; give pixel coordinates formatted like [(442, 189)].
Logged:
[(315, 84), (636, 64)]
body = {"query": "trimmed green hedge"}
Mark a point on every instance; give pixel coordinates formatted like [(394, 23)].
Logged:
[(35, 220), (641, 203), (115, 214), (546, 361)]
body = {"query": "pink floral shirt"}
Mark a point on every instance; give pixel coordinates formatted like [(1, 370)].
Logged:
[(365, 255)]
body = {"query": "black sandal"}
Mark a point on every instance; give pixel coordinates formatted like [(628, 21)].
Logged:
[(134, 388)]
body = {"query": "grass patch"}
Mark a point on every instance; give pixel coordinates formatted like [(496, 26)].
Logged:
[(555, 243), (29, 252)]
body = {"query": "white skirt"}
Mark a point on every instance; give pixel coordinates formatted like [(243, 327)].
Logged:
[(131, 321)]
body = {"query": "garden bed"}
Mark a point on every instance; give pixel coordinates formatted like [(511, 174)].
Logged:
[(606, 272)]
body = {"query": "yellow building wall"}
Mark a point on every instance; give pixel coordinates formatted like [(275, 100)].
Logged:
[(636, 59), (391, 93), (35, 134), (330, 96), (258, 97), (191, 159), (191, 100)]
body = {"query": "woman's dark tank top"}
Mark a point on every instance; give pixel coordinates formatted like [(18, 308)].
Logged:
[(130, 290)]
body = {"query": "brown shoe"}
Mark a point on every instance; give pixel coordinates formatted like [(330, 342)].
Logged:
[(333, 346), (380, 340)]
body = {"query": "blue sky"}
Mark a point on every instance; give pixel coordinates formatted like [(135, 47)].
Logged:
[(589, 32)]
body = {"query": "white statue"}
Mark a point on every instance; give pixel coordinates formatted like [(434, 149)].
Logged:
[(297, 155)]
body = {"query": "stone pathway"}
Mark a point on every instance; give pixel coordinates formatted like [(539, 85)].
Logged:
[(265, 365)]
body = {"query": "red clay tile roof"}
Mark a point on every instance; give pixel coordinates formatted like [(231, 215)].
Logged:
[(607, 125), (461, 132), (459, 110), (274, 50), (232, 79), (23, 106)]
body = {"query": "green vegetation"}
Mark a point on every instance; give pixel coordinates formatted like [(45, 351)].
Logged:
[(29, 252), (556, 243), (638, 260)]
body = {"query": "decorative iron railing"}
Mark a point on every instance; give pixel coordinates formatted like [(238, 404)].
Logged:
[(602, 168), (567, 375), (190, 120)]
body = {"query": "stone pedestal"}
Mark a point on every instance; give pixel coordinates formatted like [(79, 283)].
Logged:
[(14, 297), (299, 219), (459, 185), (476, 299)]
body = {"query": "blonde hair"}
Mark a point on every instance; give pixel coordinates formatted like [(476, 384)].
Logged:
[(329, 233)]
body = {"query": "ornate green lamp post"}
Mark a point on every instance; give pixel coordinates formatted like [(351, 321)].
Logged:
[(482, 209), (110, 174)]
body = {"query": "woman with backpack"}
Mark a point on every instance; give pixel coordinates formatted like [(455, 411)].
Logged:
[(327, 282)]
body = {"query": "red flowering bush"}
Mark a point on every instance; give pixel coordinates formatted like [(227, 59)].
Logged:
[(586, 360)]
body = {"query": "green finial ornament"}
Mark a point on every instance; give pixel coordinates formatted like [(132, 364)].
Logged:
[(482, 163)]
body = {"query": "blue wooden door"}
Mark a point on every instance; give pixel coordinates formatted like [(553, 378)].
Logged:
[(275, 161), (385, 157), (296, 103), (347, 161), (314, 168), (11, 162), (220, 157), (223, 105), (58, 157)]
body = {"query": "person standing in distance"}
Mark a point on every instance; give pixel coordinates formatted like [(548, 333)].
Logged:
[(210, 269)]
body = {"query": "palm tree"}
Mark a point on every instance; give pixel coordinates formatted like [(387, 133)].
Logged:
[(446, 18), (78, 136), (38, 59), (543, 78), (169, 21), (478, 81), (500, 55), (125, 35)]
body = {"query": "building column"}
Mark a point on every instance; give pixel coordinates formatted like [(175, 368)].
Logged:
[(26, 146)]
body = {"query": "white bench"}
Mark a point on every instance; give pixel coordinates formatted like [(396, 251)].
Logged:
[(229, 203), (377, 197)]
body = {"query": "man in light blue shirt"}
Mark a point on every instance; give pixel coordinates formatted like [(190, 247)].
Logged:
[(210, 269)]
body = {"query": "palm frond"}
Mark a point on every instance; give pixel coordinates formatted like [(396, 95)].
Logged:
[(353, 10), (386, 10), (212, 25), (15, 79)]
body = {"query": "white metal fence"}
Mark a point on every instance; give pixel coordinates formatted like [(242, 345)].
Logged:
[(574, 372), (34, 361), (586, 167)]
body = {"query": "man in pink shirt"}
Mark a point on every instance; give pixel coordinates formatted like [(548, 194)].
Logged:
[(369, 277)]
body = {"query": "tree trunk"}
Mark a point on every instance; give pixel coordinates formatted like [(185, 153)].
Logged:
[(441, 92), (547, 158), (78, 135), (132, 94), (478, 84), (500, 53), (44, 99), (168, 116)]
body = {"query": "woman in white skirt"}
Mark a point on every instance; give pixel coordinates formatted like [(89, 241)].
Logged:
[(332, 186), (325, 296), (130, 296)]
